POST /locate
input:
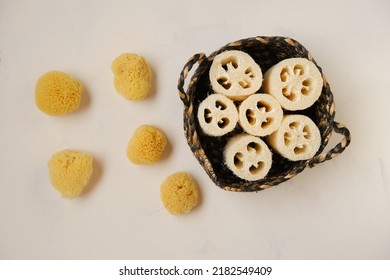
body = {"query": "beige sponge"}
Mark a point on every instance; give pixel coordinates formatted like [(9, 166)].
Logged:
[(146, 145), (70, 172), (235, 74), (217, 115), (295, 82), (260, 114), (179, 193), (132, 76), (57, 93), (248, 157), (298, 138)]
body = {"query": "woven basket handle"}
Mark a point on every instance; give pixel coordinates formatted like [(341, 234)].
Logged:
[(338, 149), (197, 58)]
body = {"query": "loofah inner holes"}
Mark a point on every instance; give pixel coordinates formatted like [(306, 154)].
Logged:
[(208, 116), (220, 105), (262, 107), (224, 122), (253, 146), (287, 138), (254, 169), (229, 63), (288, 93), (245, 84), (293, 125), (306, 86), (223, 81), (298, 70), (262, 104), (284, 74), (238, 160), (249, 73), (300, 149), (267, 122), (307, 132), (250, 116), (297, 135)]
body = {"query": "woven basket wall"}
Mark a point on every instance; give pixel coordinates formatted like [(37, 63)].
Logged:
[(266, 51)]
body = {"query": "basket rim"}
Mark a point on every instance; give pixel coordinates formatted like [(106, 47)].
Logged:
[(194, 135)]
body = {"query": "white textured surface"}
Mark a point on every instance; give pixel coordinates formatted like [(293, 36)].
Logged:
[(338, 210)]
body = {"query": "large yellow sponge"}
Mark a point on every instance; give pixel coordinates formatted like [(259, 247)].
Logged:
[(146, 145), (179, 193), (70, 172), (57, 93), (132, 76)]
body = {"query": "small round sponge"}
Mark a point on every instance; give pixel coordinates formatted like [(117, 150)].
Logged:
[(57, 93), (146, 145), (132, 76), (179, 193), (70, 172)]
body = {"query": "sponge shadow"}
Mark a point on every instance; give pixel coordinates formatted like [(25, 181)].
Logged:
[(153, 88), (167, 152), (85, 101), (96, 175)]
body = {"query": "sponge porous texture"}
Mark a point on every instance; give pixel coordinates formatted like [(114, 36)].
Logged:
[(70, 171), (179, 193), (132, 76), (57, 93), (146, 145)]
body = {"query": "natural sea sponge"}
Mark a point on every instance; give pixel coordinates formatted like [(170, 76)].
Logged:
[(132, 76), (70, 172), (146, 145), (179, 193), (57, 93)]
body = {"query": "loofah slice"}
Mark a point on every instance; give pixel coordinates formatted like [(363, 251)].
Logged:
[(298, 138), (217, 115), (248, 157), (295, 82), (235, 74), (260, 114)]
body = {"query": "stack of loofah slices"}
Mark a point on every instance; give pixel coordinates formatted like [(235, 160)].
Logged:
[(292, 84), (257, 112)]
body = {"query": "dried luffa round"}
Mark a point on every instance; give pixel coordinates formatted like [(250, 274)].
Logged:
[(235, 74), (248, 157), (217, 115), (298, 138), (295, 82), (260, 114)]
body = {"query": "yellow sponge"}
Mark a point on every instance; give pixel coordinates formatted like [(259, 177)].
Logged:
[(179, 193), (70, 172), (146, 145), (57, 93), (132, 76)]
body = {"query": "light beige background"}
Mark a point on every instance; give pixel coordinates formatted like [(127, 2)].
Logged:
[(339, 210)]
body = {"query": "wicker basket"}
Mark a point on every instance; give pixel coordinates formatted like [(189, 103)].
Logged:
[(266, 51)]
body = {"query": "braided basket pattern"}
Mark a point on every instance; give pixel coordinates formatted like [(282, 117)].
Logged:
[(266, 51)]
